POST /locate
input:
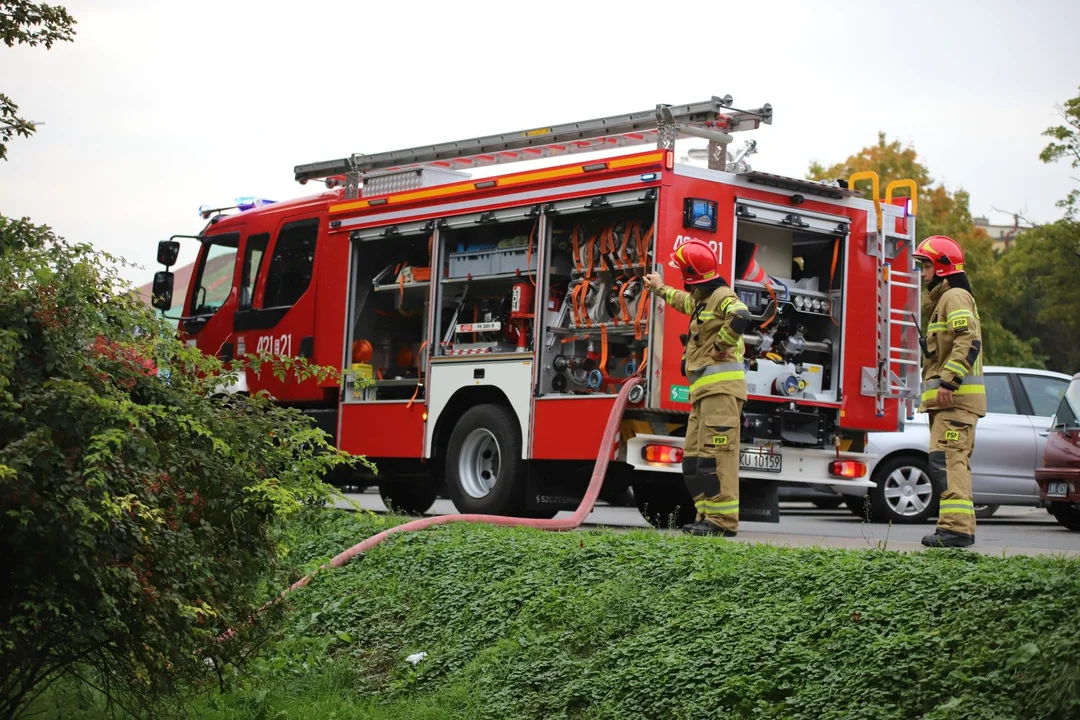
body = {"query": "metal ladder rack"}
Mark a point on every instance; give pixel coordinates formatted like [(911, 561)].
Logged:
[(712, 120), (897, 374)]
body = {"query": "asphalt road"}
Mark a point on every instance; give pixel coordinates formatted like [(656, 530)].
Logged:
[(1012, 531)]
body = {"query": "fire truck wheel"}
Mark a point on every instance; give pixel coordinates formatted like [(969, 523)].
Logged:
[(484, 469), (665, 503), (408, 498)]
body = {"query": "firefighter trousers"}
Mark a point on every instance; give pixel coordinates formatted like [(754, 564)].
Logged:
[(952, 440), (711, 459)]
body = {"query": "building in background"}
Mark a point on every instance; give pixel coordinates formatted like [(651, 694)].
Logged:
[(1001, 235)]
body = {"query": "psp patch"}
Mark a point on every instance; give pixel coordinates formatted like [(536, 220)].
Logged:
[(719, 440), (952, 435), (960, 322)]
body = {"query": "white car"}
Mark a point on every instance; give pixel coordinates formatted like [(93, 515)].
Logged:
[(1009, 444)]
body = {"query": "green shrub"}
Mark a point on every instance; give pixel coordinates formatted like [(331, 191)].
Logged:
[(648, 625), (139, 509)]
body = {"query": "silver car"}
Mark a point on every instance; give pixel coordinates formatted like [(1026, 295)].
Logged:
[(1009, 444)]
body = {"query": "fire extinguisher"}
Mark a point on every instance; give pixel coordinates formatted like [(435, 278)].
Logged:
[(521, 301), (521, 305)]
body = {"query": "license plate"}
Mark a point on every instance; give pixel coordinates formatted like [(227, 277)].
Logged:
[(761, 461), (1057, 489)]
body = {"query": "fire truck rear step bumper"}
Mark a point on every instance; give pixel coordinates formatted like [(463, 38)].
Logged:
[(808, 466)]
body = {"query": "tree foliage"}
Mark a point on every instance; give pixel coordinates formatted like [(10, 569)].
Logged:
[(1066, 146), (137, 503), (33, 24), (945, 212)]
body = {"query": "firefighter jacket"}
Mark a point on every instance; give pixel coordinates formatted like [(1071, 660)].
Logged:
[(953, 357), (716, 321)]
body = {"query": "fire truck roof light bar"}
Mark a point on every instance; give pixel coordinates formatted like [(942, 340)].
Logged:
[(713, 120)]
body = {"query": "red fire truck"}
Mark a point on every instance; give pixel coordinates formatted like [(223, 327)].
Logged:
[(485, 324)]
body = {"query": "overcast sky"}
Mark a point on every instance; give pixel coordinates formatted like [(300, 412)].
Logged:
[(160, 107)]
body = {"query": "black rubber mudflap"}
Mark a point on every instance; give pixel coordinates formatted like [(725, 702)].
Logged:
[(759, 501), (546, 490)]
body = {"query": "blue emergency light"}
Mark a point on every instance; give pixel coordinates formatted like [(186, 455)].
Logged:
[(247, 203)]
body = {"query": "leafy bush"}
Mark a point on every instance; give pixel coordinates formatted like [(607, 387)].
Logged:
[(137, 508), (523, 624)]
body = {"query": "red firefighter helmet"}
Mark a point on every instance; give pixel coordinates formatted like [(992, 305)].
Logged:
[(944, 252), (696, 261)]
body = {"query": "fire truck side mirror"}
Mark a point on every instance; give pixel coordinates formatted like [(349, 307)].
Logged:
[(161, 295), (167, 252)]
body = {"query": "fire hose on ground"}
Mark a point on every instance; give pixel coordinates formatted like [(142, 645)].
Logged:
[(611, 435)]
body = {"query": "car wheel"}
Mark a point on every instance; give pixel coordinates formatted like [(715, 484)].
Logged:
[(903, 491), (1067, 514), (484, 469), (985, 511)]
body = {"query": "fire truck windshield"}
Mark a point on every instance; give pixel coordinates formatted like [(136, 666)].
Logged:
[(215, 273)]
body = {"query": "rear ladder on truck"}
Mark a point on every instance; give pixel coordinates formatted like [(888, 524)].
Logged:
[(897, 373)]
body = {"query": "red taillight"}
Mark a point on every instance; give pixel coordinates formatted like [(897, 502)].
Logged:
[(847, 468), (667, 454), (669, 160)]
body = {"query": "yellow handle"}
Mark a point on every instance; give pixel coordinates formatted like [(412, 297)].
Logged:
[(875, 189), (910, 185)]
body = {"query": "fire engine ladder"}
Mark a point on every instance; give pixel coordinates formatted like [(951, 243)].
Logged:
[(712, 120), (897, 372)]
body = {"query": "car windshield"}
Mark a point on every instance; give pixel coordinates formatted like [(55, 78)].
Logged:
[(1068, 412)]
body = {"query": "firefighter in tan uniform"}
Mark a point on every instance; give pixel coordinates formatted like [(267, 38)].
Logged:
[(953, 393), (713, 364)]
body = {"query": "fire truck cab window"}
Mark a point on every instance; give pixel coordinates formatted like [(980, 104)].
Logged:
[(291, 264), (216, 274), (254, 249)]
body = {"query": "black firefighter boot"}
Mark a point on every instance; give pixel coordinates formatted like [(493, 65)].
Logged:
[(948, 539), (707, 529)]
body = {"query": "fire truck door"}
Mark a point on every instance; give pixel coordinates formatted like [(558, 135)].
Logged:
[(212, 296), (276, 297)]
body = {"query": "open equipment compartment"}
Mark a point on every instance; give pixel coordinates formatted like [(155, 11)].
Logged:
[(387, 324), (596, 328), (789, 270), (487, 287)]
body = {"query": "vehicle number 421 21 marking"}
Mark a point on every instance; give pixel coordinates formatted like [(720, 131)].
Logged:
[(275, 345)]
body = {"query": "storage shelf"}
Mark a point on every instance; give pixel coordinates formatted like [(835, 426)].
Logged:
[(396, 287), (481, 278), (612, 329)]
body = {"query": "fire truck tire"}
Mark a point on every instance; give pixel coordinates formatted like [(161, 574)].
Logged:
[(408, 498), (664, 503), (484, 470)]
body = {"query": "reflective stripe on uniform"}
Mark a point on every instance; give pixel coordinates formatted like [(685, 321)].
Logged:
[(956, 507), (729, 507), (972, 386), (714, 369), (956, 368), (706, 315), (714, 374), (728, 337), (937, 327)]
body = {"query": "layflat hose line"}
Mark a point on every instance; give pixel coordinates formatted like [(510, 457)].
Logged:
[(611, 435)]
